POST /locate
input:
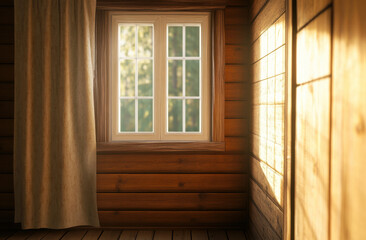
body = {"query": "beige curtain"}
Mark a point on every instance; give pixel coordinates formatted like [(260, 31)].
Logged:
[(55, 148)]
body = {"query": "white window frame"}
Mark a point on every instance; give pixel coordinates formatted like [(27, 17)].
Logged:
[(160, 22)]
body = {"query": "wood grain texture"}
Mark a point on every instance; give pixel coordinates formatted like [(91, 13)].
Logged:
[(6, 34), (236, 109), (171, 182), (128, 235), (237, 91), (348, 121), (6, 128), (236, 73), (160, 201), (236, 15), (236, 235), (237, 34), (312, 160), (163, 235), (6, 72), (264, 229), (6, 91), (6, 15), (219, 77), (110, 235), (171, 163), (237, 144), (271, 11), (182, 235), (267, 207), (223, 219), (307, 9), (199, 235), (7, 53), (314, 49), (256, 7), (237, 54), (236, 127), (7, 109), (118, 147), (93, 234), (145, 235), (160, 5)]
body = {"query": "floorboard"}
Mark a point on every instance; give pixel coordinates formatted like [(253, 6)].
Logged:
[(128, 235), (110, 235), (163, 235)]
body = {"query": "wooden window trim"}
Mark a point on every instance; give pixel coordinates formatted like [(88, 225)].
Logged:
[(101, 91)]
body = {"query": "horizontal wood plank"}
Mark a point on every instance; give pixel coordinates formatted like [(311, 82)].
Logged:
[(7, 3), (6, 163), (123, 147), (6, 185), (6, 34), (237, 34), (237, 54), (236, 127), (256, 7), (6, 128), (6, 145), (237, 73), (7, 53), (6, 201), (162, 201), (237, 144), (223, 219), (172, 163), (237, 91), (261, 224), (271, 11), (6, 72), (236, 109), (6, 91), (6, 109), (237, 15), (6, 15), (172, 182)]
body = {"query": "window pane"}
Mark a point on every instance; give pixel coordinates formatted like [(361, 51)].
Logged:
[(145, 115), (127, 115), (192, 78), (175, 115), (145, 76), (175, 36), (175, 76), (127, 41), (145, 40), (127, 78), (192, 41), (192, 115)]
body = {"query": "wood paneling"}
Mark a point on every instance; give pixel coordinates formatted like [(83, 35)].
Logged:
[(6, 15), (264, 229), (236, 127), (313, 49), (6, 181), (237, 73), (237, 144), (270, 211), (256, 7), (272, 10), (6, 127), (6, 145), (308, 9), (168, 163), (7, 53), (6, 34), (172, 182), (6, 91), (236, 109), (6, 163), (237, 15), (7, 72), (312, 160), (236, 54), (163, 201), (236, 91), (172, 219), (7, 109), (237, 34), (348, 121)]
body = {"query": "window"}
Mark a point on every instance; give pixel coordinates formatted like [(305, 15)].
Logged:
[(160, 76)]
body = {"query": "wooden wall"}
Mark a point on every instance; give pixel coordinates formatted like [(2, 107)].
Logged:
[(268, 48), (313, 112), (186, 189)]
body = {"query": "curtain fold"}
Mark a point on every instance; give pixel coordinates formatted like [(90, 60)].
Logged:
[(54, 139)]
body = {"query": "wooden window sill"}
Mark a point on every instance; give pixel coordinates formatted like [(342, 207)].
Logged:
[(120, 147)]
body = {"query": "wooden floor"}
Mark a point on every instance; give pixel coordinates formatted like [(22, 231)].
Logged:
[(124, 234)]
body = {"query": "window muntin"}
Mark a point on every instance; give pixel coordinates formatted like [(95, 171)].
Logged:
[(196, 56)]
